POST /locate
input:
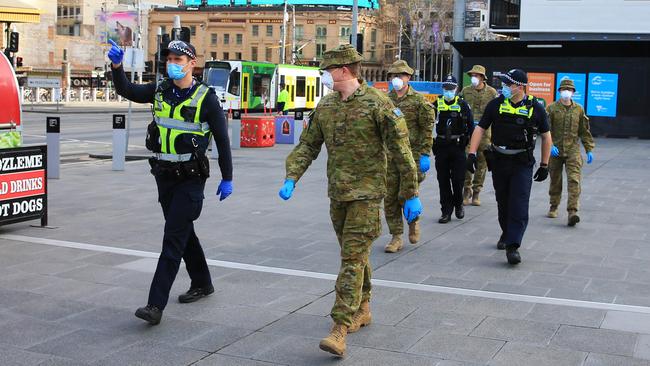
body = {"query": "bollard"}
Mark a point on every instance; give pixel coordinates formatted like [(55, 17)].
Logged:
[(22, 95), (53, 139), (94, 94), (67, 95), (235, 133), (38, 95), (119, 141), (107, 95)]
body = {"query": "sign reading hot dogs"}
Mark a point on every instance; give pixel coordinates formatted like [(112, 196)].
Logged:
[(23, 184)]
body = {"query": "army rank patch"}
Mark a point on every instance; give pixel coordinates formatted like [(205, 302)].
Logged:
[(398, 112)]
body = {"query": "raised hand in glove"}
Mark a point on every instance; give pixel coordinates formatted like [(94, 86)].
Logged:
[(115, 54)]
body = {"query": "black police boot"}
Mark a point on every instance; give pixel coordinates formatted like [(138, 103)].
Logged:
[(195, 294), (501, 245), (149, 313), (445, 218), (460, 212), (512, 254)]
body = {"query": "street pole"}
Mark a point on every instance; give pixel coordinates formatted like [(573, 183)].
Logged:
[(293, 36), (399, 40), (459, 33), (355, 23), (285, 17)]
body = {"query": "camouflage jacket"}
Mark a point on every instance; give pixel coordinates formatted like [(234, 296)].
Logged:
[(568, 124), (357, 132), (477, 100), (420, 118)]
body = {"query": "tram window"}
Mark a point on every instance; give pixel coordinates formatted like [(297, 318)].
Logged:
[(233, 84), (261, 84), (317, 87), (217, 78), (300, 86)]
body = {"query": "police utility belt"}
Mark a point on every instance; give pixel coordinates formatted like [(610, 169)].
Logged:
[(180, 166)]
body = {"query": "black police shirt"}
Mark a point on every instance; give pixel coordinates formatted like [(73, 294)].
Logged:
[(210, 112), (491, 114)]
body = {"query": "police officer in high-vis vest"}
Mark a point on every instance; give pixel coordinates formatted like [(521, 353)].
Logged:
[(186, 114), (516, 120), (453, 128)]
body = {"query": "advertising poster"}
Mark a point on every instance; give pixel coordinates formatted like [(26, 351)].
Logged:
[(579, 80), (23, 184), (602, 95), (119, 26), (542, 85)]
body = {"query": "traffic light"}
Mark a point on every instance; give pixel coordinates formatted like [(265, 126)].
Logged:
[(13, 42), (19, 61), (162, 61)]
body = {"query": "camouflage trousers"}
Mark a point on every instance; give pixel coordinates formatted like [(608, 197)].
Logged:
[(357, 225), (573, 165), (393, 203), (475, 181)]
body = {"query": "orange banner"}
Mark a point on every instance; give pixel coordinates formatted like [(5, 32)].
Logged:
[(542, 85)]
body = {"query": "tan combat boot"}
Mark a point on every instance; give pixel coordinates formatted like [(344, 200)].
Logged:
[(552, 212), (573, 218), (361, 318), (335, 342), (414, 232), (395, 244), (467, 196), (475, 200)]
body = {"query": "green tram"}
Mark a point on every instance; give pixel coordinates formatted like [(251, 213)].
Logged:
[(247, 86)]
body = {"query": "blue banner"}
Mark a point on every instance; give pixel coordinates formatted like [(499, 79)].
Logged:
[(579, 80), (602, 95)]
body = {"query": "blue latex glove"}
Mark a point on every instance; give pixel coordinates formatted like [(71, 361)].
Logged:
[(287, 189), (425, 163), (555, 151), (590, 157), (225, 189), (412, 209), (115, 54)]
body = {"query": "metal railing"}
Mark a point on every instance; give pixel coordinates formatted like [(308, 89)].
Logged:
[(30, 95)]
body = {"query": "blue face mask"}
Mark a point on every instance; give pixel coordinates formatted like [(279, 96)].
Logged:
[(506, 91), (449, 94), (175, 71)]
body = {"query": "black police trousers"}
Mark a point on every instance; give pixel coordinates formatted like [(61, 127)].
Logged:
[(512, 177), (181, 202), (450, 170)]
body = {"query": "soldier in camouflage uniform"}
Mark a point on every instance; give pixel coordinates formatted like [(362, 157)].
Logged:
[(568, 125), (420, 118), (358, 125), (477, 96)]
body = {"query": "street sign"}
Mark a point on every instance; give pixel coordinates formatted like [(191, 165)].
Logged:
[(473, 19), (43, 82)]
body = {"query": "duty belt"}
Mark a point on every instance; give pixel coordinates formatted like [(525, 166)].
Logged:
[(450, 137), (174, 157), (505, 151)]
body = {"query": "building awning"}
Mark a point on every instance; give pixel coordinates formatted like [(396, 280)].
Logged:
[(16, 11)]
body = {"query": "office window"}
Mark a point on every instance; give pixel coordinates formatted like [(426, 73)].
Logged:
[(226, 56), (238, 55), (269, 31), (213, 55), (373, 36), (226, 38), (214, 38), (320, 49), (240, 38), (163, 29), (269, 54), (192, 30), (505, 14), (300, 31), (321, 31), (254, 53), (256, 31), (345, 32)]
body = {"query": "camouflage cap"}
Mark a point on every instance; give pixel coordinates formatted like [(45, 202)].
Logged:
[(339, 56), (400, 67), (567, 84), (477, 69)]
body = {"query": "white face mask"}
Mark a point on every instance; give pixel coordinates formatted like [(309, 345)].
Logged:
[(566, 94), (475, 81), (327, 80), (398, 83)]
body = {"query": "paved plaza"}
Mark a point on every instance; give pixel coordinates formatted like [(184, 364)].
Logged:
[(581, 296)]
